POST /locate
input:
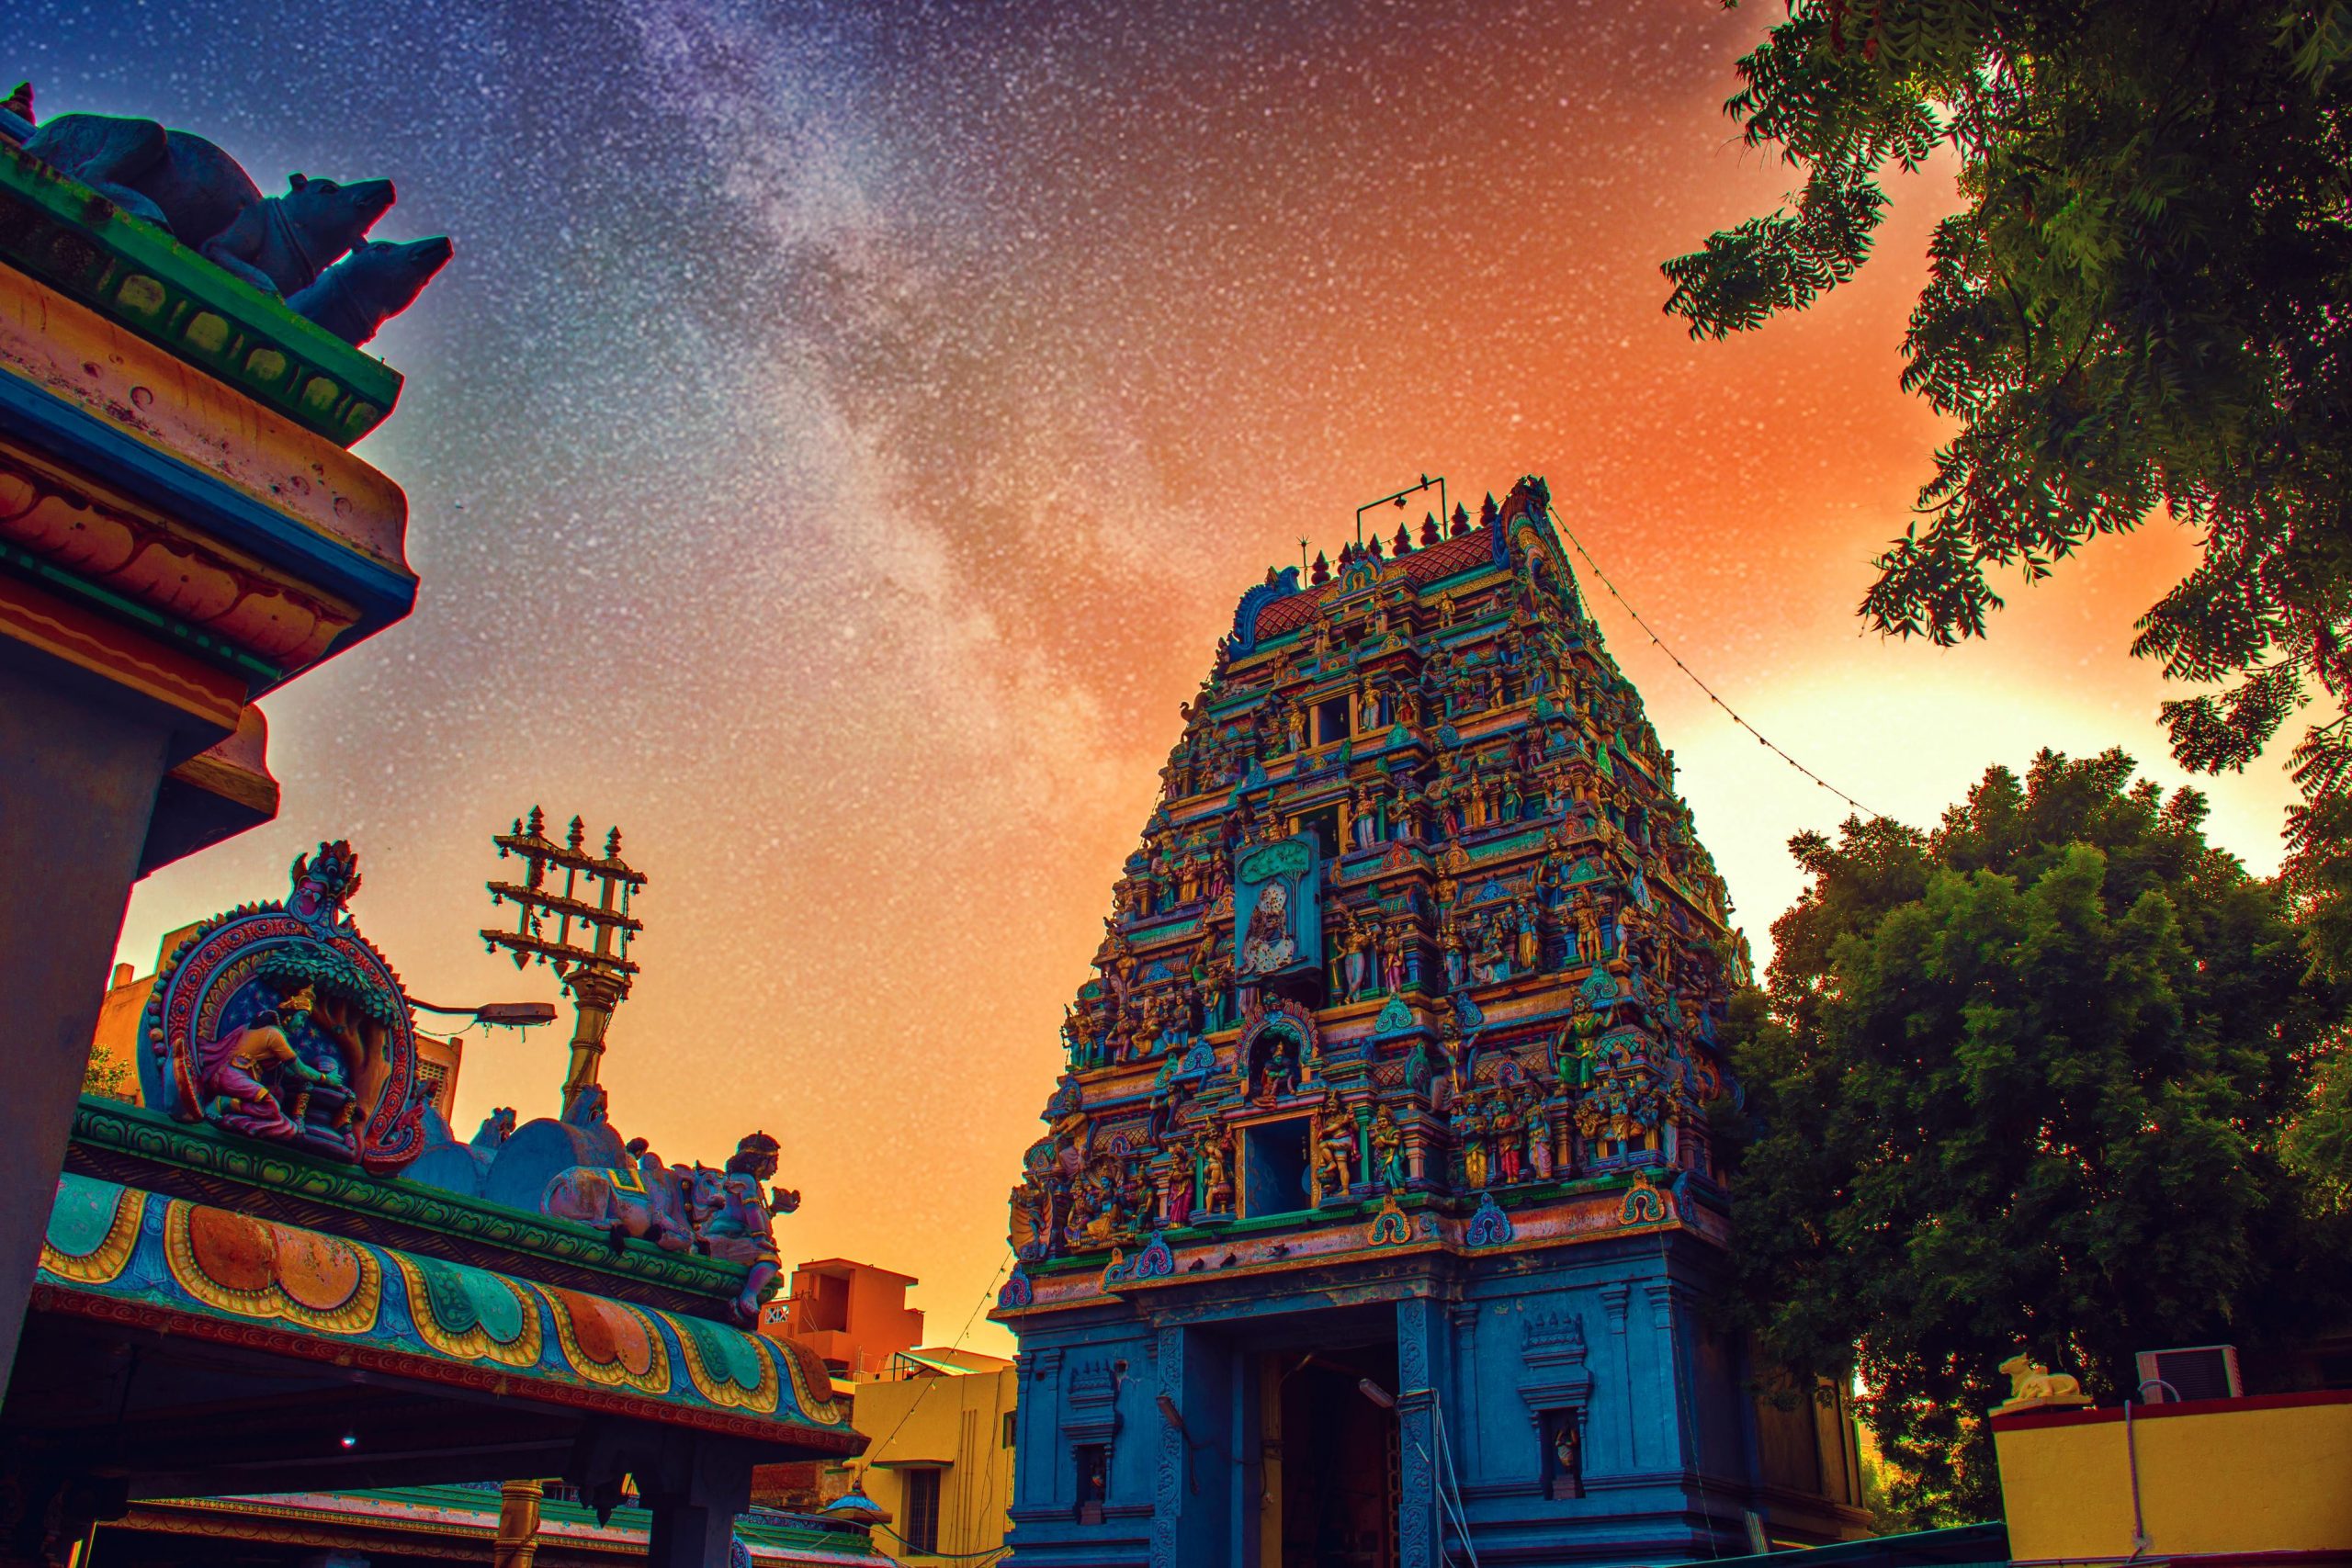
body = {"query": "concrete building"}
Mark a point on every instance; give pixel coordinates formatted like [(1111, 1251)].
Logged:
[(941, 1427), (853, 1316)]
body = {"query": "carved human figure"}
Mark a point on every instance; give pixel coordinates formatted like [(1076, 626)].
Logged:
[(1268, 945), (1355, 949), (1216, 1170), (1510, 1133), (734, 1213), (1178, 1205), (1471, 1128), (1391, 957), (1282, 1068), (1489, 961), (1586, 911), (1388, 1150), (1456, 964), (1334, 1150), (229, 1071), (1530, 945)]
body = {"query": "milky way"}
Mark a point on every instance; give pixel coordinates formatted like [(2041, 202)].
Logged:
[(844, 432)]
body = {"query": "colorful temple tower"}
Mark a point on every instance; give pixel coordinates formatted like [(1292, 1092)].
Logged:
[(1378, 1212)]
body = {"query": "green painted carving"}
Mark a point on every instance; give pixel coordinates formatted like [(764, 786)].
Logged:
[(81, 1215), (117, 1138), (1287, 858), (461, 1299), (724, 1355), (74, 241)]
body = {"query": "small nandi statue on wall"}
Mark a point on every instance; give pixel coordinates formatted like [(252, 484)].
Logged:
[(2033, 1386)]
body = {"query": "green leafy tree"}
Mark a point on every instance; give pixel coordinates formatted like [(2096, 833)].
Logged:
[(2140, 306), (2020, 1083)]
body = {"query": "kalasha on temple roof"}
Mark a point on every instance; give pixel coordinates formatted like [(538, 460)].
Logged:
[(1390, 1087)]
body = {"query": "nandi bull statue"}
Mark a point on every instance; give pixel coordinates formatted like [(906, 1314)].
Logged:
[(286, 246), (2033, 1386), (728, 1214), (648, 1202)]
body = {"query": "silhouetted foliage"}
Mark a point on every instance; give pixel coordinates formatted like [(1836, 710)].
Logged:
[(2021, 1083), (2141, 305)]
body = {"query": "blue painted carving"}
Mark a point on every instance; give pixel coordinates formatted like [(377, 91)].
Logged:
[(1278, 909), (1244, 639), (1016, 1290), (1490, 1226), (1156, 1262)]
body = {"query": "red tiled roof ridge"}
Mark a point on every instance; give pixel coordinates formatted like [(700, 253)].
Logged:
[(1425, 565)]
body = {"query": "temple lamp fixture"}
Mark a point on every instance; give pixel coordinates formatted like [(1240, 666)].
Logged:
[(1400, 500), (515, 1015), (581, 931)]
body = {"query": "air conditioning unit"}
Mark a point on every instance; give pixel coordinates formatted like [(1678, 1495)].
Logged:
[(2193, 1371)]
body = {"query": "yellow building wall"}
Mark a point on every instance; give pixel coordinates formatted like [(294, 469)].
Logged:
[(956, 1424), (2247, 1475)]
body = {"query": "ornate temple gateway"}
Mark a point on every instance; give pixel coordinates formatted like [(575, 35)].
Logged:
[(1377, 1215)]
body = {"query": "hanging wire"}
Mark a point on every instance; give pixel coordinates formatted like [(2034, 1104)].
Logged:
[(1660, 643), (916, 1403)]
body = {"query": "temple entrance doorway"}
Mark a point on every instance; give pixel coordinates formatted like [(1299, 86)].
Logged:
[(1330, 1459)]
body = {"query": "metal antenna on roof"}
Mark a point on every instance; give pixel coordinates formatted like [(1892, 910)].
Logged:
[(1426, 482)]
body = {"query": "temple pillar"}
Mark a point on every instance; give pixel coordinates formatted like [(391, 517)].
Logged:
[(1192, 1515), (82, 768), (517, 1542), (694, 1516), (1423, 1367)]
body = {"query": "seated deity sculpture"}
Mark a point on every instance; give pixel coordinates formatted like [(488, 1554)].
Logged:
[(1268, 945), (233, 1068)]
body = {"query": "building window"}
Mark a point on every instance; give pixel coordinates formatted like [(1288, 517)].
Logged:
[(1275, 1174), (1331, 721), (1009, 1417), (920, 1512), (1324, 825)]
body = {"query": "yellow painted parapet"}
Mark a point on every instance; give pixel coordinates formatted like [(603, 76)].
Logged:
[(2212, 1476)]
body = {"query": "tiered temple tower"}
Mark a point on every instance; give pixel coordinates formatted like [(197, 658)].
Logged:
[(1378, 1207)]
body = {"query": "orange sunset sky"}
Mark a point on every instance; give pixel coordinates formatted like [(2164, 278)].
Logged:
[(836, 452)]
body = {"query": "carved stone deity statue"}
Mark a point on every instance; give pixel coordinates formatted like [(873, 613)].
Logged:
[(1355, 946), (734, 1213), (1268, 945), (232, 1067), (1388, 1150), (1335, 1149)]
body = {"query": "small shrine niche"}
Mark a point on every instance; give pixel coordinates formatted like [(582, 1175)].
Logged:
[(279, 1021)]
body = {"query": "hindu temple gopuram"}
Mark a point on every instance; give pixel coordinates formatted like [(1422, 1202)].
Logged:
[(1377, 1216)]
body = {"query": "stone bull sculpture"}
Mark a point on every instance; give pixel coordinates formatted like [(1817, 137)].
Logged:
[(288, 246), (203, 198), (649, 1205)]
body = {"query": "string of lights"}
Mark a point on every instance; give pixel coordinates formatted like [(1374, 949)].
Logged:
[(1660, 643)]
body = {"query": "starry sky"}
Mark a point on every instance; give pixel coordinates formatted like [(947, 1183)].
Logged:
[(844, 431)]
